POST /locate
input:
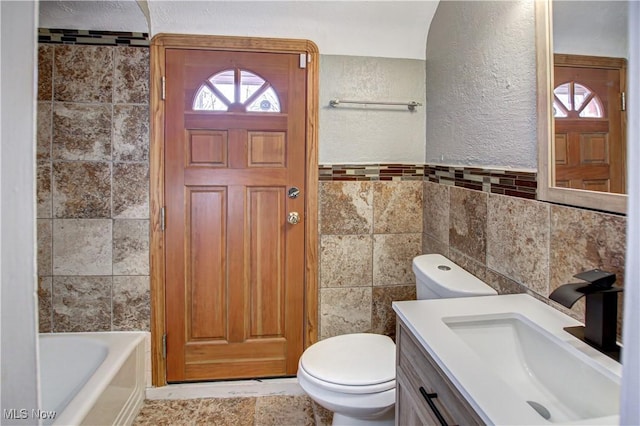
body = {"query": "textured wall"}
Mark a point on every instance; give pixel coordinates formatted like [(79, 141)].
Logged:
[(113, 15), (93, 188), (394, 29), (481, 85), (373, 134)]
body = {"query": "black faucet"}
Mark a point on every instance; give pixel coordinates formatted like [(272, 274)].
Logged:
[(601, 316)]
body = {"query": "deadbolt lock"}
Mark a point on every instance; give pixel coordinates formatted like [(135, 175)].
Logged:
[(293, 192)]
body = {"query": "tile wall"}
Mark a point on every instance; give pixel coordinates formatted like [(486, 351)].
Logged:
[(519, 245), (370, 230), (93, 187), (93, 213)]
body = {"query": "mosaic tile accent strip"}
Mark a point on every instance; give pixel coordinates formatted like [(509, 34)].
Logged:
[(102, 38), (504, 182), (367, 172), (515, 183)]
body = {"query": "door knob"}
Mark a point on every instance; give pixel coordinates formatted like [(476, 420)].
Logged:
[(293, 218)]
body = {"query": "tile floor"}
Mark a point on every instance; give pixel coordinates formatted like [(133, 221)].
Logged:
[(276, 410)]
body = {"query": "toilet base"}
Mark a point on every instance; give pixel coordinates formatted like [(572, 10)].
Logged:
[(387, 419)]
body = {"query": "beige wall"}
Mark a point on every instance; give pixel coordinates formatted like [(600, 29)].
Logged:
[(93, 248), (93, 216), (369, 233), (93, 188), (519, 245)]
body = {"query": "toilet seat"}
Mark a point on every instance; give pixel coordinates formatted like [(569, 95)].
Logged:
[(345, 389), (357, 363)]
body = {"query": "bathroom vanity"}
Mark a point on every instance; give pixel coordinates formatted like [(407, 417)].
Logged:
[(502, 359), (424, 394)]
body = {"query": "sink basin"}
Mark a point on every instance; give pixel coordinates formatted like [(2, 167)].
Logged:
[(557, 381), (511, 359)]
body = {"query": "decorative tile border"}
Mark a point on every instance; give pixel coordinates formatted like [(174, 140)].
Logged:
[(101, 38), (364, 172), (506, 182)]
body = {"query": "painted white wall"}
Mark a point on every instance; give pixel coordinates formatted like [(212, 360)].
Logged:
[(19, 368), (630, 412), (481, 85), (394, 29), (596, 28), (357, 134)]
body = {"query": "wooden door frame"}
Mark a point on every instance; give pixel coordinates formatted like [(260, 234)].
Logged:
[(159, 44)]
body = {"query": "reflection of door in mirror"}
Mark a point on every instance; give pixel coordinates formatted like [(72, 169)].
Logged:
[(590, 143)]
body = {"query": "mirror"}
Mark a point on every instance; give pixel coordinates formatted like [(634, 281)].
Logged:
[(553, 184)]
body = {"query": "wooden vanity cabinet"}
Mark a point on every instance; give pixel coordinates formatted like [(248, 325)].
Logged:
[(424, 395)]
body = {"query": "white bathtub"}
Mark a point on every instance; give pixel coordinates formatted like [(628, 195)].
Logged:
[(92, 378)]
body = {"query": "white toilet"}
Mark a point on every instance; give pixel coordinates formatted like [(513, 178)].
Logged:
[(354, 375)]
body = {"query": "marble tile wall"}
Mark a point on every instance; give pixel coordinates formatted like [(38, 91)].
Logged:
[(93, 214), (369, 233), (518, 245), (93, 187)]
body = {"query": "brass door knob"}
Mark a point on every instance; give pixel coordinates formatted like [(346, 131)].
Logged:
[(293, 218)]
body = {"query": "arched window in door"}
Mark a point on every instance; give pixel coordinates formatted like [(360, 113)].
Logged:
[(236, 90), (573, 100)]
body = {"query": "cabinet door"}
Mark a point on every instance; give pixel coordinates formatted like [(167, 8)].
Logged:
[(419, 371), (408, 410)]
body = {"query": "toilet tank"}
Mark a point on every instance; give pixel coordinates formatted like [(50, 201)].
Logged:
[(437, 278)]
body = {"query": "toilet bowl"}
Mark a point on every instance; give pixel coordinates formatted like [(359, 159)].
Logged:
[(353, 375)]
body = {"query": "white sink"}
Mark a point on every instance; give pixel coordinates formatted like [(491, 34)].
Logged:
[(555, 380), (511, 359)]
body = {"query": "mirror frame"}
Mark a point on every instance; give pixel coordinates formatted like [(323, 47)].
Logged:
[(605, 201)]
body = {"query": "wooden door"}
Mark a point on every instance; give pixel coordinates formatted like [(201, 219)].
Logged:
[(590, 143), (234, 147)]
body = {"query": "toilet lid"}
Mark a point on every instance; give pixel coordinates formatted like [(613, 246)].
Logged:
[(359, 359)]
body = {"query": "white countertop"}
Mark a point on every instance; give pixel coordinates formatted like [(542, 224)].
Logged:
[(493, 398)]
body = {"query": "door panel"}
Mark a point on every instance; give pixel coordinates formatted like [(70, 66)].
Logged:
[(234, 266), (267, 263), (207, 233), (267, 149), (594, 148), (207, 148)]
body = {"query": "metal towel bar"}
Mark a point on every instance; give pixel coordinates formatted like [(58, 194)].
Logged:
[(411, 105)]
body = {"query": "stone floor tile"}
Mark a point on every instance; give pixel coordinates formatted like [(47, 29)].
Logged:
[(284, 410), (226, 412)]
